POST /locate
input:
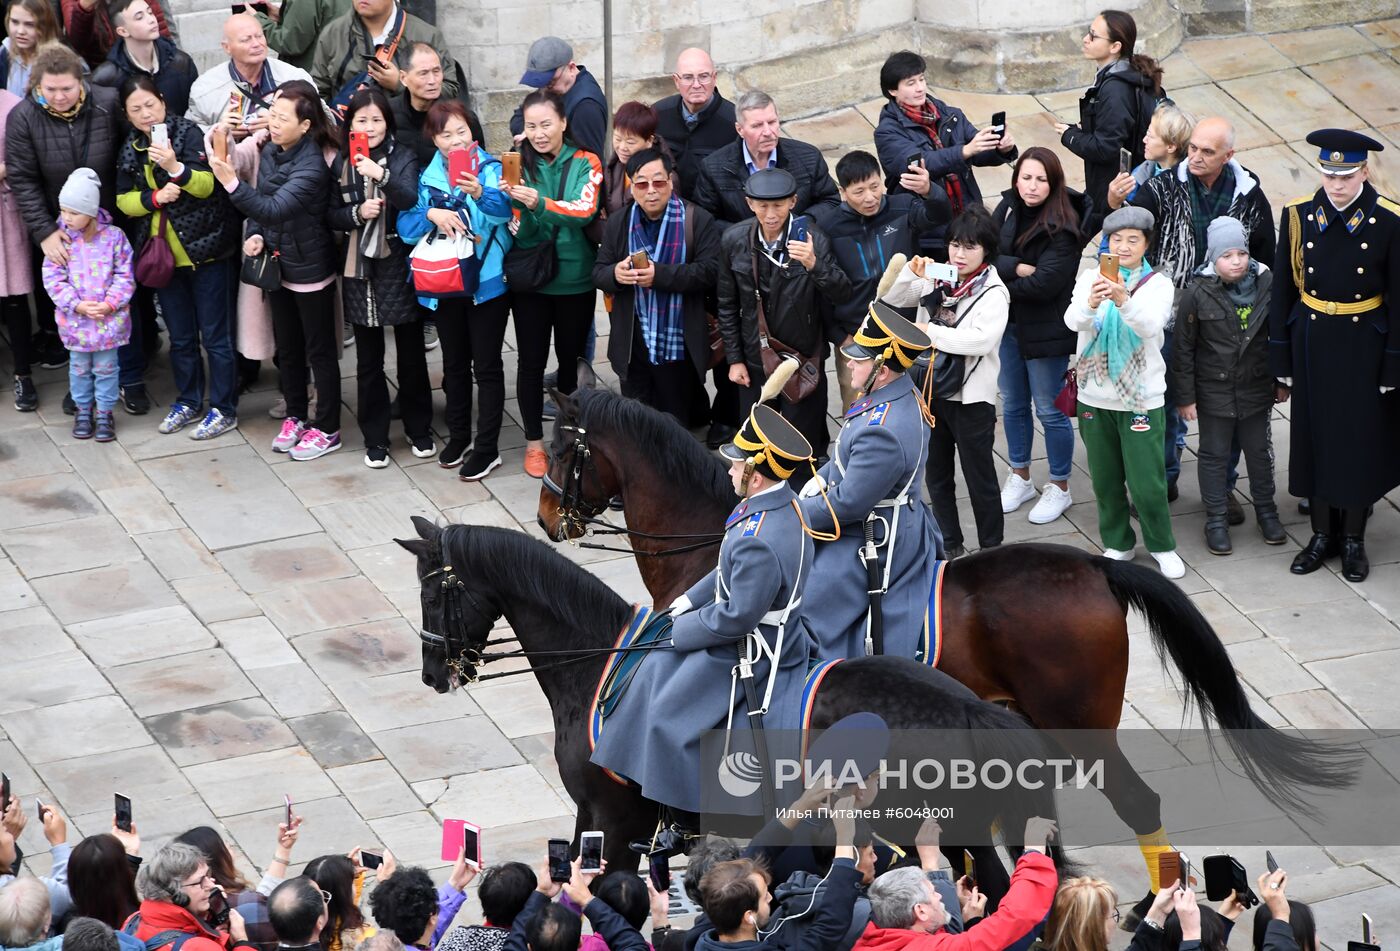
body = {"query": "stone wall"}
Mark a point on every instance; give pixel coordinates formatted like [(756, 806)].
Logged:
[(814, 55)]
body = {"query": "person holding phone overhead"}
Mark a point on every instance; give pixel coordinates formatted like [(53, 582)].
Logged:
[(343, 878), (1122, 385), (551, 264), (659, 258), (169, 184), (377, 179), (12, 824), (1116, 111), (177, 891), (472, 329)]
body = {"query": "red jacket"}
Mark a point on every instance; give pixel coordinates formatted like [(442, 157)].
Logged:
[(158, 916), (90, 32), (1027, 902)]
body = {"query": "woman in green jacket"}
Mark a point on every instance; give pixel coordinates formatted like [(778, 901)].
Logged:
[(559, 196)]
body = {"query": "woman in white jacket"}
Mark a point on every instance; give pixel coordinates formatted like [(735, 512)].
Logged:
[(965, 321), (1122, 385)]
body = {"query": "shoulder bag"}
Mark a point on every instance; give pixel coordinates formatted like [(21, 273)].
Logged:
[(531, 269), (949, 370), (773, 351), (155, 264)]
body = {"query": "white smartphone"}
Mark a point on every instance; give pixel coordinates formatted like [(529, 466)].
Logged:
[(590, 851), (936, 271), (160, 135)]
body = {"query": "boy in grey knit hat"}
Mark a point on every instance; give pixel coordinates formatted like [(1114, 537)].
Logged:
[(1221, 379)]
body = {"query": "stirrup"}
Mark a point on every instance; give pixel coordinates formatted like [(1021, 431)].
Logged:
[(668, 839)]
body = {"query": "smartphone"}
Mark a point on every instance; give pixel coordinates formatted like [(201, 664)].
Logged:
[(1269, 861), (1366, 928), (218, 907), (372, 860), (40, 809), (941, 271), (287, 803), (1108, 267), (458, 164), (590, 851), (970, 868), (255, 7), (457, 834), (4, 793), (160, 135), (999, 123), (914, 161), (799, 229), (1125, 161), (1368, 940), (473, 159), (1169, 868), (559, 870), (640, 260), (123, 811), (510, 167), (218, 136), (659, 870), (359, 145)]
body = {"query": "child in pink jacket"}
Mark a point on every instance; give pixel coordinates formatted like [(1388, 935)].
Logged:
[(92, 297)]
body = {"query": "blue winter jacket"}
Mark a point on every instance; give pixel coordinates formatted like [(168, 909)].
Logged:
[(487, 217)]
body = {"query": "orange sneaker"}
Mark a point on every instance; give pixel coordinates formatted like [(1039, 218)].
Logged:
[(536, 462)]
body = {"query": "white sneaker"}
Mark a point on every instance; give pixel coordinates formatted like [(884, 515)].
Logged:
[(1171, 564), (1016, 492), (1053, 503), (1117, 555)]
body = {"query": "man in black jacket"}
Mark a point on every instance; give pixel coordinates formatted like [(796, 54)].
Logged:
[(867, 229), (545, 926), (659, 345), (140, 50), (720, 188), (697, 120), (770, 269), (550, 65)]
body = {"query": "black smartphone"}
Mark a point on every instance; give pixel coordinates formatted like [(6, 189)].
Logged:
[(371, 860), (1125, 161), (559, 870), (799, 228), (999, 123), (287, 802), (4, 793), (659, 868), (1269, 861), (40, 809), (915, 161), (123, 811), (218, 907), (256, 7)]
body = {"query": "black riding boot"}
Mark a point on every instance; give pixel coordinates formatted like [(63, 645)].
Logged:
[(1269, 525), (674, 835), (1326, 526), (1355, 565), (1218, 534)]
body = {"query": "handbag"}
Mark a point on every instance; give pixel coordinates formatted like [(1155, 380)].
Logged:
[(155, 264), (444, 266), (1067, 400), (531, 269), (262, 270), (773, 351), (950, 370)]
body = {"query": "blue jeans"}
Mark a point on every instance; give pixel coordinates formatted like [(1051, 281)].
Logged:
[(1174, 432), (195, 305), (1038, 379), (89, 372)]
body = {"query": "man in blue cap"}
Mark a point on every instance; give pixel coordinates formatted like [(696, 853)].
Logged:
[(888, 540), (550, 65), (1334, 339)]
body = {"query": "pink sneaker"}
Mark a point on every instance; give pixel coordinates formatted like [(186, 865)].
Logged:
[(287, 439), (315, 444)]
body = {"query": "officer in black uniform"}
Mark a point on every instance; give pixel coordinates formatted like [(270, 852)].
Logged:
[(1334, 339)]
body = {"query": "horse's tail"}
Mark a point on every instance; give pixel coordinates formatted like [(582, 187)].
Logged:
[(1004, 735), (1275, 762)]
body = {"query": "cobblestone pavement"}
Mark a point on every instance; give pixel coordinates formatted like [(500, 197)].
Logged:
[(207, 626)]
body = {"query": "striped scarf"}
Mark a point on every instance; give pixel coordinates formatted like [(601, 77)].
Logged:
[(1116, 357), (371, 238), (927, 117), (661, 313)]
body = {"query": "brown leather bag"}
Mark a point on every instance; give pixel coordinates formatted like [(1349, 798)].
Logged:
[(773, 351)]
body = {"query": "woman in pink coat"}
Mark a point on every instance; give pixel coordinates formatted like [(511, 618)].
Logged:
[(16, 274)]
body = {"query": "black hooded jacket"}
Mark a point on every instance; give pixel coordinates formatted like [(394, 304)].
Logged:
[(1114, 113)]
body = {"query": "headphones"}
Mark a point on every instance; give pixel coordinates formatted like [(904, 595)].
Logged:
[(181, 899)]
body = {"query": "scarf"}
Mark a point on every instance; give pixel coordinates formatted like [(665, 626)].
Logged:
[(1116, 357), (661, 313), (371, 239), (68, 115), (1244, 293), (1207, 204), (927, 117)]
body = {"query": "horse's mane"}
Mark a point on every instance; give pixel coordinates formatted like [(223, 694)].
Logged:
[(679, 458), (509, 561)]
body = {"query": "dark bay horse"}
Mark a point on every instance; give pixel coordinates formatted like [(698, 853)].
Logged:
[(1039, 627), (472, 576)]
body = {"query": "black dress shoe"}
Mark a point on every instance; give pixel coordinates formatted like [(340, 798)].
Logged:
[(1218, 535), (1355, 565), (1234, 513), (1318, 549), (1304, 506), (719, 434)]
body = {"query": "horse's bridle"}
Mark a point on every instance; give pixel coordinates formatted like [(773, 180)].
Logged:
[(582, 516), (462, 651)]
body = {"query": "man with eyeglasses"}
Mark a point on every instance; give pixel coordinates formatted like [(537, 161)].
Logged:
[(298, 910), (659, 258), (697, 120)]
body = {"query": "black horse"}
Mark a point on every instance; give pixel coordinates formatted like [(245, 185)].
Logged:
[(472, 576)]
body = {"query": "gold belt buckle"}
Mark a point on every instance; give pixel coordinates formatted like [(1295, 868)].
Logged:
[(1332, 307)]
